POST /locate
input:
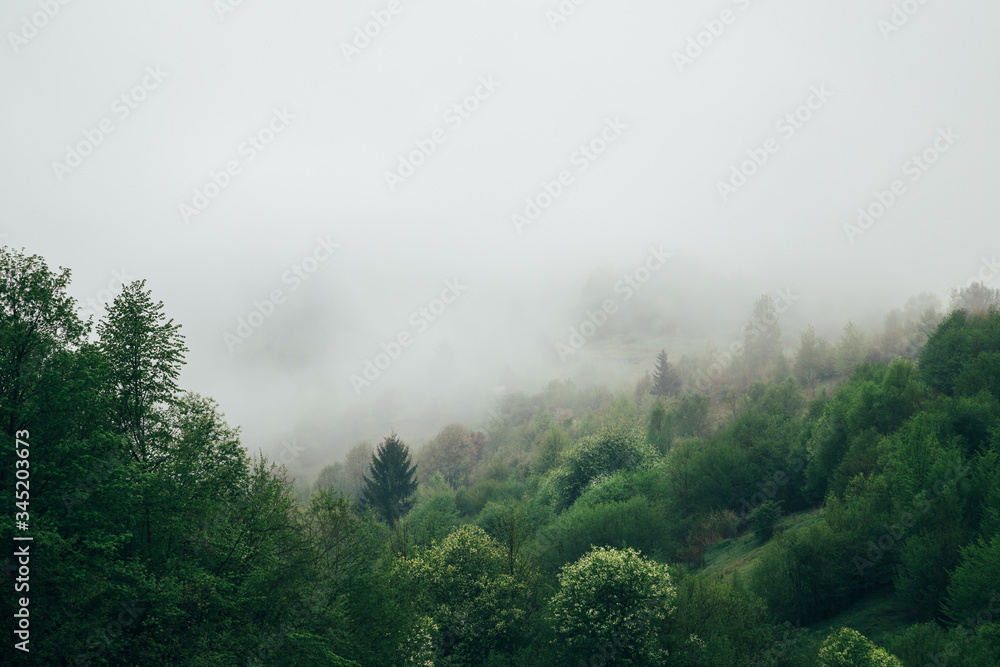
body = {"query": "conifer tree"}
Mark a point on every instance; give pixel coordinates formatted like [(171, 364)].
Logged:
[(391, 480), (666, 382)]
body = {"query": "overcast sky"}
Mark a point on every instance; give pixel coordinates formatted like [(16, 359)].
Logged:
[(213, 147)]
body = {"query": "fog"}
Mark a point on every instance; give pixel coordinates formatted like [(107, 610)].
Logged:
[(676, 160)]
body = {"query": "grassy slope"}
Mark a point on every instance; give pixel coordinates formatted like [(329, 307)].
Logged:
[(874, 616)]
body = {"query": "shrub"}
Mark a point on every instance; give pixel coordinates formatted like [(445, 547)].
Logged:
[(613, 603), (763, 519), (849, 648)]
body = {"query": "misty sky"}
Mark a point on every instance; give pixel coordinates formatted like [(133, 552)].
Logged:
[(228, 152)]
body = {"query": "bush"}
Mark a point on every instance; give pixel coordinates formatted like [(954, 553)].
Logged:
[(763, 519), (849, 648), (613, 603), (611, 450)]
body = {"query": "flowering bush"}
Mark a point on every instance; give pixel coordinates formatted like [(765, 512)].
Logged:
[(612, 605)]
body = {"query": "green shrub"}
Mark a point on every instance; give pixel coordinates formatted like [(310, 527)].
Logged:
[(763, 520), (849, 648)]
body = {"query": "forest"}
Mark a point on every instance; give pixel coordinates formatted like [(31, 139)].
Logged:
[(835, 503)]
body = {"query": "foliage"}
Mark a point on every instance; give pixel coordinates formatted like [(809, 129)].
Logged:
[(849, 648), (473, 604), (692, 415), (615, 600), (763, 520), (613, 449), (666, 381), (391, 480)]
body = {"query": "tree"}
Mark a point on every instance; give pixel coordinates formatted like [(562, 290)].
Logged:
[(356, 463), (614, 448), (661, 429), (613, 603), (474, 604), (37, 318), (814, 361), (762, 351), (975, 299), (763, 519), (391, 480), (452, 452), (145, 352), (850, 648), (851, 349), (692, 415), (666, 381)]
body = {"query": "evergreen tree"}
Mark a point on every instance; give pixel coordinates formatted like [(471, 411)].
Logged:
[(391, 480), (666, 382)]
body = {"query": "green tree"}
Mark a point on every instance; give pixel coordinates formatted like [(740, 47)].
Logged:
[(612, 449), (549, 449), (692, 415), (661, 428), (37, 318), (474, 607), (975, 583), (145, 352), (666, 381), (849, 648), (391, 480), (763, 520), (613, 603)]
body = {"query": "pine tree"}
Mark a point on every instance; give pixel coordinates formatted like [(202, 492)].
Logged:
[(666, 382), (391, 480)]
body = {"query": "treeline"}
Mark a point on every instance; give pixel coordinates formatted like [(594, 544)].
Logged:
[(570, 528)]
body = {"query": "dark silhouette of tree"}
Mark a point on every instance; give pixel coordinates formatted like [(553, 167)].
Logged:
[(666, 381), (391, 480)]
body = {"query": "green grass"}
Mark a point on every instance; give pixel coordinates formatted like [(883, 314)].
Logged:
[(876, 615), (737, 555)]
